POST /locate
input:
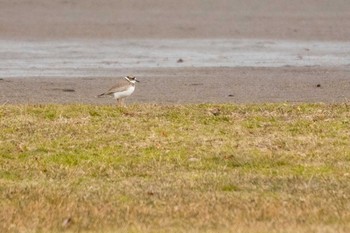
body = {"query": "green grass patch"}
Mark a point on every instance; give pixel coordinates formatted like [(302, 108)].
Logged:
[(192, 168)]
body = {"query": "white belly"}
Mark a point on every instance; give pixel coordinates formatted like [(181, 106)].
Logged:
[(123, 94)]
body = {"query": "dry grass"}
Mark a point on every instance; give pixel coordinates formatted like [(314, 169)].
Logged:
[(193, 168)]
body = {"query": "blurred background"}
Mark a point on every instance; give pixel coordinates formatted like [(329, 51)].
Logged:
[(111, 19)]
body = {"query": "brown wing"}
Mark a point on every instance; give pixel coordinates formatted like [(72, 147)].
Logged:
[(121, 85)]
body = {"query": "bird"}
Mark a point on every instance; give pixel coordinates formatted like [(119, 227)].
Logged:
[(122, 89)]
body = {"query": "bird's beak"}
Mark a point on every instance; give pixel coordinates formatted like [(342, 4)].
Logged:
[(137, 80)]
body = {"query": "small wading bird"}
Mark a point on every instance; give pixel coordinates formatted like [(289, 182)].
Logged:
[(122, 89)]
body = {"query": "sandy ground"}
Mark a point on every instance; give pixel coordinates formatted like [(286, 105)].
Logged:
[(191, 85), (321, 20)]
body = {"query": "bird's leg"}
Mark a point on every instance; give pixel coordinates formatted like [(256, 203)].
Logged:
[(118, 102), (122, 102)]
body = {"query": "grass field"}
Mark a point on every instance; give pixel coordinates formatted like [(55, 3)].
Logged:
[(189, 168)]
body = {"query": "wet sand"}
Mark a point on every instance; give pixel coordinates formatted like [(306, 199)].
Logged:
[(107, 20), (109, 58)]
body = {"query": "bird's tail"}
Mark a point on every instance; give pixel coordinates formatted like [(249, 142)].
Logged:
[(101, 95)]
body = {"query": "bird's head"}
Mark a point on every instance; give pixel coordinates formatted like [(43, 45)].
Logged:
[(131, 79)]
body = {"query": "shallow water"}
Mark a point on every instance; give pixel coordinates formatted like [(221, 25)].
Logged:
[(79, 58)]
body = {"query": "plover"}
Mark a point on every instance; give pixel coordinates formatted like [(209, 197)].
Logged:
[(123, 88)]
